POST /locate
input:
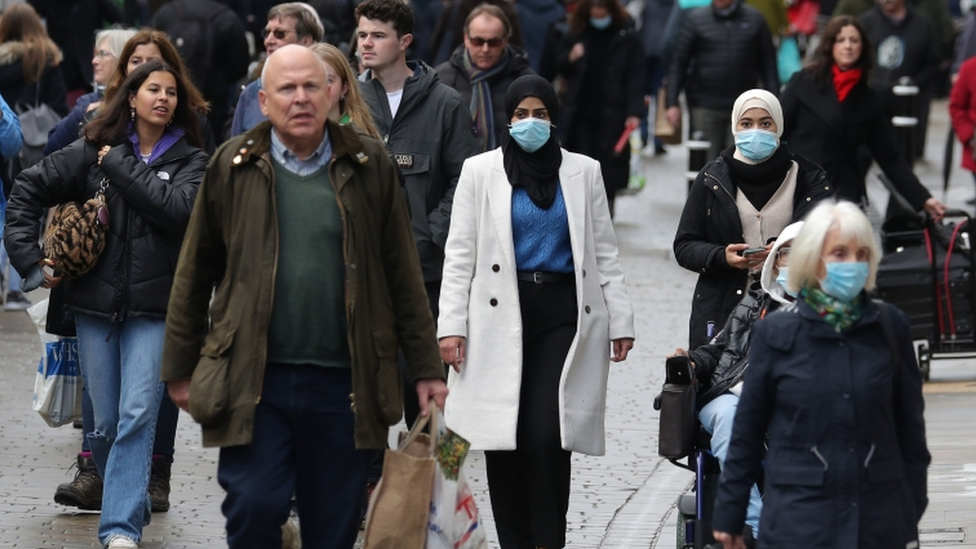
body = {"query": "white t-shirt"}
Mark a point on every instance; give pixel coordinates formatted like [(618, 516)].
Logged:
[(394, 99)]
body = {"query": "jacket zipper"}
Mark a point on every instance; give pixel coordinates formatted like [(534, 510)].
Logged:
[(719, 183)]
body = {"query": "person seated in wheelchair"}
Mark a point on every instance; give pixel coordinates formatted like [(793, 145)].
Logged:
[(721, 364)]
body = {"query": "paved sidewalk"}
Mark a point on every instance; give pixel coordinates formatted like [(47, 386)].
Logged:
[(622, 500)]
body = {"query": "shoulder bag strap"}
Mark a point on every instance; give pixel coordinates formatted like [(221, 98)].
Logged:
[(889, 334)]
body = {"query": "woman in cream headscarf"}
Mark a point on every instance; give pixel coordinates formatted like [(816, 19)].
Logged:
[(740, 201)]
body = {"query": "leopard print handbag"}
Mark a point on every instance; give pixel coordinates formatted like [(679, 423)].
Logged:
[(76, 235)]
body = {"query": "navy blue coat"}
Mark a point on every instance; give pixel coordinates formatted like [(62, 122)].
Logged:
[(847, 459)]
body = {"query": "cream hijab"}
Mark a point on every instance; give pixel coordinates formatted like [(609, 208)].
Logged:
[(756, 99)]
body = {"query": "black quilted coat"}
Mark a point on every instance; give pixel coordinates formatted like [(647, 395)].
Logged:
[(149, 208), (721, 364)]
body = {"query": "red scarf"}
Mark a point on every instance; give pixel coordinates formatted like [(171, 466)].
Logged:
[(844, 81)]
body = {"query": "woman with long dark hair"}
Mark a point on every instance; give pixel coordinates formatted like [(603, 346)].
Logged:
[(143, 151), (830, 112), (152, 45)]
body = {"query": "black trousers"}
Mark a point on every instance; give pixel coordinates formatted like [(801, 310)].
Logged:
[(529, 487)]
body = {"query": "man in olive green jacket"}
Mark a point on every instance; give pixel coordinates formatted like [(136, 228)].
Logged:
[(301, 236)]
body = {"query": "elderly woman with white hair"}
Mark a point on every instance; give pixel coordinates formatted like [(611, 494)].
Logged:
[(737, 205), (834, 390)]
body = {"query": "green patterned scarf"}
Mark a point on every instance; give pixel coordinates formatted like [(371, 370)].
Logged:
[(841, 315)]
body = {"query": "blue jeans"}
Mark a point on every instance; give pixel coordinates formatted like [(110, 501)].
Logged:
[(303, 444), (8, 272), (717, 417), (120, 363)]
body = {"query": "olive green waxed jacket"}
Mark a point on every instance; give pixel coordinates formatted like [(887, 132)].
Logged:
[(230, 253)]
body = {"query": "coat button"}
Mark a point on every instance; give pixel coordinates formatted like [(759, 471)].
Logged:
[(587, 309), (584, 273), (495, 268), (847, 395), (493, 302), (738, 292), (352, 266)]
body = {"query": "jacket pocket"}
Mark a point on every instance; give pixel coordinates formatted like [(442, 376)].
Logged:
[(796, 475), (389, 394), (884, 471), (412, 164), (209, 387)]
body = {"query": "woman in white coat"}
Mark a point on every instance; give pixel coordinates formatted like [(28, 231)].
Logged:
[(533, 308)]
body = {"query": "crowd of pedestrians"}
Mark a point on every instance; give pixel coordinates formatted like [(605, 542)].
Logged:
[(324, 216)]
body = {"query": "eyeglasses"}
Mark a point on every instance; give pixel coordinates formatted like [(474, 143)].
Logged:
[(279, 34), (102, 54), (783, 256), (480, 42)]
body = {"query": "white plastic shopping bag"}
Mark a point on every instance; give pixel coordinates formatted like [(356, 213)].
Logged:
[(454, 522), (57, 385)]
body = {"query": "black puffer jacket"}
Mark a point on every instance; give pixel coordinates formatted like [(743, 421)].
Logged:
[(721, 364), (728, 54), (149, 208), (710, 222)]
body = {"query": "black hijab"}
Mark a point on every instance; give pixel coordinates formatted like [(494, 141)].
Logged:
[(538, 171)]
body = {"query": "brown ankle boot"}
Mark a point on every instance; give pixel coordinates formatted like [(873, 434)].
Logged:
[(85, 491), (159, 484)]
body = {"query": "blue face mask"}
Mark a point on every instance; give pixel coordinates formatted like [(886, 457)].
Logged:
[(530, 134), (845, 280), (781, 280), (601, 22), (756, 145)]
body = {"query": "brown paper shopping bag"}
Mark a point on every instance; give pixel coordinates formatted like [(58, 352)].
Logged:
[(664, 130), (400, 505)]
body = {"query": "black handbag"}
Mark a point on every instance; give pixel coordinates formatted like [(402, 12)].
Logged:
[(678, 419)]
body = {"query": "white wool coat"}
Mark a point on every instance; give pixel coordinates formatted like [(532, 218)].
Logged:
[(480, 302)]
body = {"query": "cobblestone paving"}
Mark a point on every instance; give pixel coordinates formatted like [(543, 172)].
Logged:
[(621, 500)]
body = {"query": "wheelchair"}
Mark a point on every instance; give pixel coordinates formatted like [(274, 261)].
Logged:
[(686, 444)]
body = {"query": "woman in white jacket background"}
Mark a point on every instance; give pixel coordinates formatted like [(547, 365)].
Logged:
[(533, 308)]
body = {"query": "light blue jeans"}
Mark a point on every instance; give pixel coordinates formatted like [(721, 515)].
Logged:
[(120, 363), (717, 417)]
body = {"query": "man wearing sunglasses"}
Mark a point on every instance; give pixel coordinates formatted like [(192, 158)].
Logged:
[(483, 68), (289, 23)]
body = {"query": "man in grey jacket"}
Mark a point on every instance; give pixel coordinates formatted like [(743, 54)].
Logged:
[(426, 127)]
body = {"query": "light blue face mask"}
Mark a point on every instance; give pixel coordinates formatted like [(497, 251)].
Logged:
[(756, 145), (601, 22), (781, 280), (845, 280), (530, 134)]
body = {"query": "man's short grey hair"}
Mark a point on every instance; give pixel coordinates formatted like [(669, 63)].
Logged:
[(307, 22), (807, 249), (114, 39)]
